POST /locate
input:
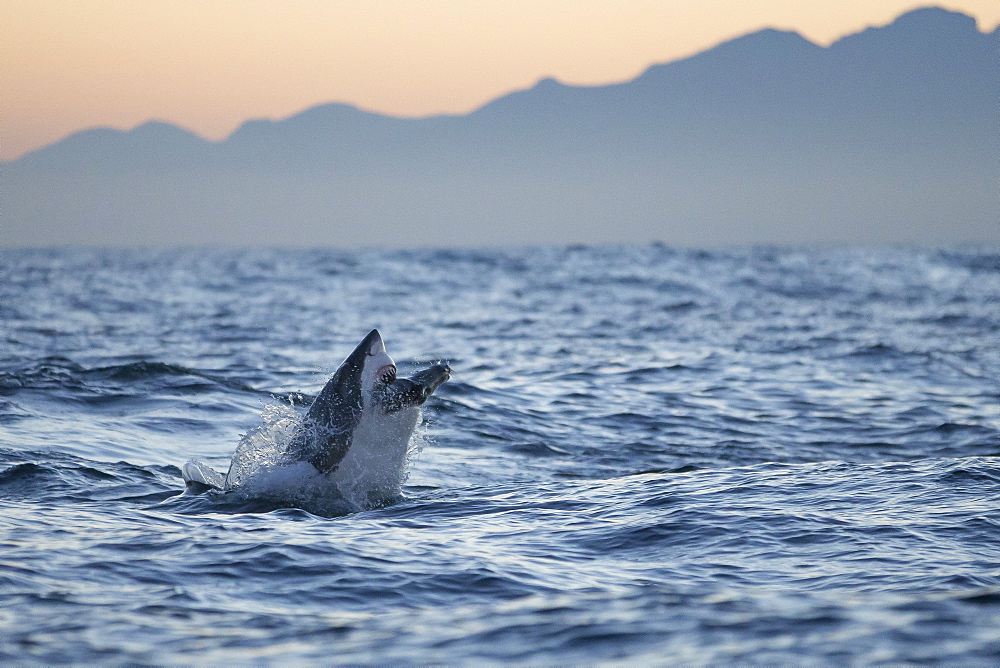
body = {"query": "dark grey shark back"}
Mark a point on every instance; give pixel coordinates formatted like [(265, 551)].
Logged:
[(327, 428)]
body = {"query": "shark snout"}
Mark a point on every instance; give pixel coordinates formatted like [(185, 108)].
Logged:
[(373, 344)]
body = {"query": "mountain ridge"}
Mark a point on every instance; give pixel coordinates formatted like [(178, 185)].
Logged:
[(736, 144), (916, 18)]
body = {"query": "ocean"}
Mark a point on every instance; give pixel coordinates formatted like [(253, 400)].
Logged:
[(645, 455)]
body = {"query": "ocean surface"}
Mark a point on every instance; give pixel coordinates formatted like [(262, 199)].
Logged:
[(645, 455)]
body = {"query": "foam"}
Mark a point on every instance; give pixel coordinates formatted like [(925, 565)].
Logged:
[(370, 477)]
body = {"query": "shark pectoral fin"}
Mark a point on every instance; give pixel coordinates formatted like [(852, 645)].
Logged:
[(200, 478)]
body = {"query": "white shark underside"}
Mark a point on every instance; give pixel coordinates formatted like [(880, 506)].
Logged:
[(355, 434)]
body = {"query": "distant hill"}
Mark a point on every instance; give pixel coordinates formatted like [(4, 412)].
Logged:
[(891, 135)]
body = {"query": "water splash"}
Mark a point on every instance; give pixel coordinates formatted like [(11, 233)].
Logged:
[(262, 469), (263, 447)]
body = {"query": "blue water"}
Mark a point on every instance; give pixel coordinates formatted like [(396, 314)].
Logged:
[(645, 455)]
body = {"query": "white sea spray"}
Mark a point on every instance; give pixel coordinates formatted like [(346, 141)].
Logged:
[(262, 469)]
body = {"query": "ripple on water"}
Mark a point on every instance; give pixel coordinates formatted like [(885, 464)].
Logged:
[(646, 455)]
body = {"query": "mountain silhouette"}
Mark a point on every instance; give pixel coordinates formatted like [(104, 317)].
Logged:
[(890, 135)]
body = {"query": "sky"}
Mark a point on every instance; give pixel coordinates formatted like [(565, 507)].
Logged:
[(209, 65)]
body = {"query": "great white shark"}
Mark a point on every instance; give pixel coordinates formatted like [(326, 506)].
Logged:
[(356, 432)]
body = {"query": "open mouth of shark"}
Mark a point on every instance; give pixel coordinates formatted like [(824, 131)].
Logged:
[(386, 373)]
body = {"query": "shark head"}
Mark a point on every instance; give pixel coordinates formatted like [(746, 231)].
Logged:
[(381, 389), (364, 388)]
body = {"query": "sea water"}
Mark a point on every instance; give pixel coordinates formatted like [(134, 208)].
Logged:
[(645, 455)]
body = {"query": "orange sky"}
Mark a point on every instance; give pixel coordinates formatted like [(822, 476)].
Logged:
[(208, 65)]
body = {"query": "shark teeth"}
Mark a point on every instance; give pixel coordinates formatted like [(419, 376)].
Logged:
[(387, 374)]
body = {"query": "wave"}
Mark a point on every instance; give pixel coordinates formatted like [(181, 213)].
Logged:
[(53, 477), (55, 373)]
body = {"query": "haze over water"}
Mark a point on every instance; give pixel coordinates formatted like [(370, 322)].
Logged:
[(887, 135)]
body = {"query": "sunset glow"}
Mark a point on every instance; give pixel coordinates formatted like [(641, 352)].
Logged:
[(210, 65)]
